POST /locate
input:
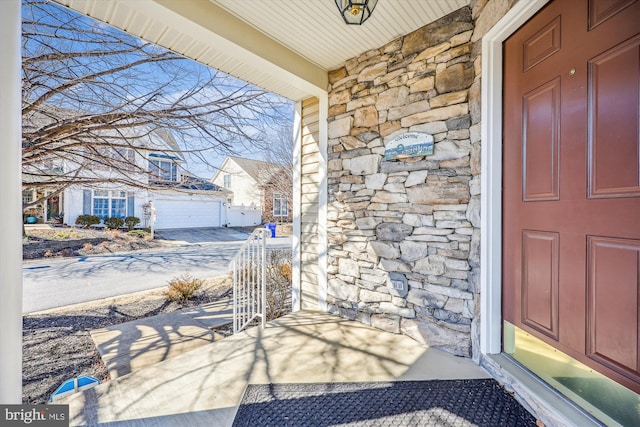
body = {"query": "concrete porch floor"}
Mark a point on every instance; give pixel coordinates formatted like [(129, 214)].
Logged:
[(203, 387)]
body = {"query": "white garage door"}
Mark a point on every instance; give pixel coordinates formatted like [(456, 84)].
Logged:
[(187, 213)]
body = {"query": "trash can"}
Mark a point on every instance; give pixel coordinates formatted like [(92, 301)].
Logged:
[(271, 227)]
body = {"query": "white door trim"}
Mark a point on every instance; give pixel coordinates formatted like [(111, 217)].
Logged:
[(491, 170)]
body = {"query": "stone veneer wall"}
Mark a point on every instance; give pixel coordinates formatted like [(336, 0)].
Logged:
[(419, 217)]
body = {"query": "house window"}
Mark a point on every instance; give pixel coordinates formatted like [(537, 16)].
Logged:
[(101, 203), (112, 158), (109, 204), (227, 181), (27, 196), (163, 170), (119, 204), (280, 206), (127, 157)]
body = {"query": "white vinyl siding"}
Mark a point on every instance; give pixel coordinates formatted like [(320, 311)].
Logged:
[(309, 183), (245, 190)]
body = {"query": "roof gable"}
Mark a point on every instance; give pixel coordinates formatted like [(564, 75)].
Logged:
[(261, 172)]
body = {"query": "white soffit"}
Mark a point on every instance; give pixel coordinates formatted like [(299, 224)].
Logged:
[(284, 46)]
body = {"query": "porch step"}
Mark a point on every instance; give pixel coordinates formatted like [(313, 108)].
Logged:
[(204, 386), (130, 346)]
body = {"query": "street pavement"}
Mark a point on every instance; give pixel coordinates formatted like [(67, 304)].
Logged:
[(50, 283)]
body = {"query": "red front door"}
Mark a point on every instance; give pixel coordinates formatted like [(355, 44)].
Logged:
[(571, 200)]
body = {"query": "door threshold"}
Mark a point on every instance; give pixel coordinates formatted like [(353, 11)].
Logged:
[(551, 407)]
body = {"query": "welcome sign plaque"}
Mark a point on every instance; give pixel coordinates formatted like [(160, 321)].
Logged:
[(410, 144)]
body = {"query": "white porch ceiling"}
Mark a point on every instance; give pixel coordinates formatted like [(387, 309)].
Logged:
[(315, 30), (285, 46)]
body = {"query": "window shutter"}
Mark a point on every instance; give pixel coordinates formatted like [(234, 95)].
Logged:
[(86, 202), (130, 205)]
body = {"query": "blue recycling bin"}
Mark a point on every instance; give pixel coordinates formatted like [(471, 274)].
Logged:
[(271, 227)]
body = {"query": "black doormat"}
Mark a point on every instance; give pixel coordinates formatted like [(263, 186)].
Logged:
[(404, 403)]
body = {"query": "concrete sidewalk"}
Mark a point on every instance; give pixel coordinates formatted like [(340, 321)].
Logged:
[(130, 346)]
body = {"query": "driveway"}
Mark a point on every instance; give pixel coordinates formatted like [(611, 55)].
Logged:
[(50, 283), (205, 235)]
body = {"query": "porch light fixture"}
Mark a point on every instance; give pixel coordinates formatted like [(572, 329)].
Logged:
[(355, 12)]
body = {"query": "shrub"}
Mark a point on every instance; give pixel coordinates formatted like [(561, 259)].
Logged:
[(113, 223), (66, 252), (131, 221), (285, 272), (183, 288), (87, 221), (138, 233), (278, 292)]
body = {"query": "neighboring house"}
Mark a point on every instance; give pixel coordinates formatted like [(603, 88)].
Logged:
[(254, 183), (276, 197), (158, 179)]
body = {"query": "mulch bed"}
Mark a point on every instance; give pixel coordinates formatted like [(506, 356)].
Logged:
[(70, 241), (57, 345)]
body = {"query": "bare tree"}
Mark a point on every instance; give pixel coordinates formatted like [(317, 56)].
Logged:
[(278, 173), (94, 98)]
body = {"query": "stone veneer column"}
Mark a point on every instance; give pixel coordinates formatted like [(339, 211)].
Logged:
[(415, 219)]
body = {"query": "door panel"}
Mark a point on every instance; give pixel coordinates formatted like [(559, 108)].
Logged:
[(571, 182), (614, 272), (540, 281), (541, 118), (542, 44), (613, 138), (601, 10)]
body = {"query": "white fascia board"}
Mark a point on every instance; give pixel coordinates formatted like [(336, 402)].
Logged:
[(214, 195), (233, 37), (221, 169)]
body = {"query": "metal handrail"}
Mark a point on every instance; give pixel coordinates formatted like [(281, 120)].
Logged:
[(248, 268)]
